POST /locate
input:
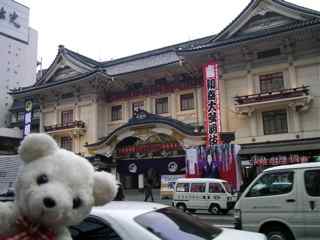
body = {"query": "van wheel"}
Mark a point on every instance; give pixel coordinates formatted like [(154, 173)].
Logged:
[(181, 206), (276, 233), (214, 209), (224, 211), (192, 210)]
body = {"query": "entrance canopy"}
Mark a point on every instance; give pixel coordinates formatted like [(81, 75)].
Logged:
[(144, 125)]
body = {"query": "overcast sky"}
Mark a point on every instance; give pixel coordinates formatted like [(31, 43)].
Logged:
[(110, 29)]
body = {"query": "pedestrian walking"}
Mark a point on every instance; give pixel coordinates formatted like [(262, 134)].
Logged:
[(120, 194), (148, 191)]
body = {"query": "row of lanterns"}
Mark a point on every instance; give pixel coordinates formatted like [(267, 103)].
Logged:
[(147, 148)]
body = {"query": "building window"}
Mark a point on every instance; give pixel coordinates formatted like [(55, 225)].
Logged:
[(20, 116), (162, 105), (186, 102), (137, 106), (275, 122), (66, 143), (66, 117), (116, 113), (271, 82), (36, 114)]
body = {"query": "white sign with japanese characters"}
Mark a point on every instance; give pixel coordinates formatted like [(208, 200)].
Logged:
[(14, 20)]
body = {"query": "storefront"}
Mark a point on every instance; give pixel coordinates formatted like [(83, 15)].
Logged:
[(259, 156), (148, 146)]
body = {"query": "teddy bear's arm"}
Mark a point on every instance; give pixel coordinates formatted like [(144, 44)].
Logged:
[(63, 234), (8, 216)]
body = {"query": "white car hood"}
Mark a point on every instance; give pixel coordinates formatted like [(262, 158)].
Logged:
[(228, 234)]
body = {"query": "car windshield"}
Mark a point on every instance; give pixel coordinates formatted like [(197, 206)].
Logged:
[(170, 224), (227, 187)]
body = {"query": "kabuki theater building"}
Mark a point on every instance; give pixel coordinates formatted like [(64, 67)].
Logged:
[(171, 111)]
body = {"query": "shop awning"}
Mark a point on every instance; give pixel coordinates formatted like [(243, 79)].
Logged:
[(281, 146)]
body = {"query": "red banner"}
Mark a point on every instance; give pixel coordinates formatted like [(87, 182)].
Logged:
[(212, 103)]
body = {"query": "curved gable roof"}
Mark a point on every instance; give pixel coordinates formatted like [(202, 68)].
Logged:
[(285, 16), (143, 118)]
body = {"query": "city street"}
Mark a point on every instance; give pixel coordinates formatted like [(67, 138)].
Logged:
[(218, 220)]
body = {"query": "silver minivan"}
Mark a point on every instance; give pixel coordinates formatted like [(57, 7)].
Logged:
[(283, 202), (214, 195)]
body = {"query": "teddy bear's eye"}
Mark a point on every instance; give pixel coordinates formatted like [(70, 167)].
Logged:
[(77, 202), (42, 179)]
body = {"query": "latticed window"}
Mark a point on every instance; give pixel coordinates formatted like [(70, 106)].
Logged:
[(162, 105), (66, 143), (66, 117), (137, 106), (271, 82), (275, 122), (116, 113), (186, 102)]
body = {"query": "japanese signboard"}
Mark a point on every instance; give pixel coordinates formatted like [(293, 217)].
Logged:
[(14, 20), (212, 103), (27, 117), (167, 185)]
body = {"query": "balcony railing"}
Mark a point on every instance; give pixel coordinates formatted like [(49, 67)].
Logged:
[(271, 96), (63, 126)]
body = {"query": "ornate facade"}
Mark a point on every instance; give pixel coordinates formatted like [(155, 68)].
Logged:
[(269, 86)]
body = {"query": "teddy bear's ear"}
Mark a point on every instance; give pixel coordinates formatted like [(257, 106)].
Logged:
[(36, 145), (105, 188)]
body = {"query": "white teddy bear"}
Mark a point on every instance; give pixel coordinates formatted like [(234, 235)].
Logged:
[(55, 189)]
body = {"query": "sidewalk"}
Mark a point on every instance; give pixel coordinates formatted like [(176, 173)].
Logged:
[(136, 195)]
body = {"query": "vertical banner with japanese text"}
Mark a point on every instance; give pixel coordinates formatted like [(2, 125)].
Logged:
[(27, 117), (212, 103)]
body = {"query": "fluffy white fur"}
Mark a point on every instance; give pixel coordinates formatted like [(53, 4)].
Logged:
[(69, 177)]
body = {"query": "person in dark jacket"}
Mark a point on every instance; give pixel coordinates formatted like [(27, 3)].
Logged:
[(148, 191), (120, 194)]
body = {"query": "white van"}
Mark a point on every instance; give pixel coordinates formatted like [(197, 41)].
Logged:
[(282, 202), (214, 195)]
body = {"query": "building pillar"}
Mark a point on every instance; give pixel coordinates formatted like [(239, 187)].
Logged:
[(223, 106), (253, 123), (149, 105), (295, 118), (140, 181), (200, 111), (292, 76), (95, 125), (126, 111), (173, 105), (41, 120), (58, 119), (77, 112), (250, 80)]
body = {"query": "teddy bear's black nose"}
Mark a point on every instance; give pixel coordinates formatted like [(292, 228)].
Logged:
[(49, 202)]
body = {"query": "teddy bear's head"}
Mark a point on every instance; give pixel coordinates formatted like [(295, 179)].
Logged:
[(56, 187)]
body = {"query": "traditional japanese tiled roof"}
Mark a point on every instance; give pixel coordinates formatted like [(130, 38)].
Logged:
[(308, 18), (77, 77), (257, 35), (142, 118)]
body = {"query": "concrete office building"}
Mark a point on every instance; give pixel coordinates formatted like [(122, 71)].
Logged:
[(18, 51)]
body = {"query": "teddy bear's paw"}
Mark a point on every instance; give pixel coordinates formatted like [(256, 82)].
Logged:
[(105, 188)]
